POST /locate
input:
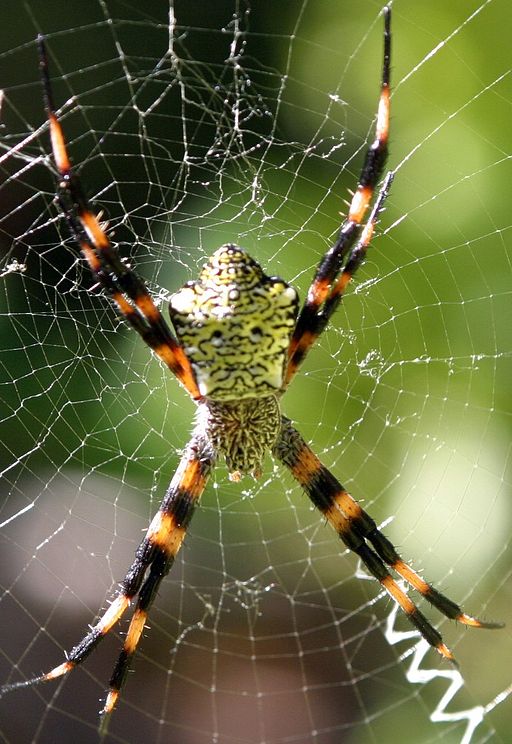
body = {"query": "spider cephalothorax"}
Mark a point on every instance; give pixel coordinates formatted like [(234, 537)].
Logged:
[(237, 343), (243, 431)]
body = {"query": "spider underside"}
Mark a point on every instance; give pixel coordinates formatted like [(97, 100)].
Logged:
[(236, 342)]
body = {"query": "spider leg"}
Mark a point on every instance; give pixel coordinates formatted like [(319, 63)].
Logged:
[(326, 289), (163, 540), (126, 289), (156, 552), (356, 529)]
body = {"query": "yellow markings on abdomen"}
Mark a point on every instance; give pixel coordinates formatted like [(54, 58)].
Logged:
[(235, 324)]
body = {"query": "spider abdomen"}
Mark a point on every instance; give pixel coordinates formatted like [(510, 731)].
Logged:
[(234, 324)]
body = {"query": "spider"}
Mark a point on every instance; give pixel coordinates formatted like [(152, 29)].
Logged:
[(236, 342)]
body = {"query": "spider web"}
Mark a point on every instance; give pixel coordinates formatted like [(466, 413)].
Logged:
[(206, 123)]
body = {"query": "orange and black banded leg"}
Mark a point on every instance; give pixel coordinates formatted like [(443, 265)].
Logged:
[(161, 544), (124, 286), (324, 289), (356, 529), (356, 257), (154, 557)]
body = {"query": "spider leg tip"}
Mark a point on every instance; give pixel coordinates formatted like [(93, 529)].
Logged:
[(474, 622), (106, 711), (103, 723), (41, 47), (445, 652), (389, 178)]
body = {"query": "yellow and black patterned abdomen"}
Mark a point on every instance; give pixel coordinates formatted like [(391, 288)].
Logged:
[(235, 324)]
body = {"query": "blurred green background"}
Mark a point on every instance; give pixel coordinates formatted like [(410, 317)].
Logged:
[(253, 132)]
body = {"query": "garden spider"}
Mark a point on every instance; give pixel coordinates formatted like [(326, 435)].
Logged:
[(236, 342)]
